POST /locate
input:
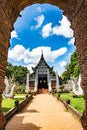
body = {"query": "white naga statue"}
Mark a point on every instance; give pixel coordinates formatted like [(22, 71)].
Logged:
[(57, 82), (8, 94), (11, 94), (77, 90)]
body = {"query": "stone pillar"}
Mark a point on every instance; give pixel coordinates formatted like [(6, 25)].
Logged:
[(57, 82), (50, 88), (49, 81), (36, 82), (27, 83)]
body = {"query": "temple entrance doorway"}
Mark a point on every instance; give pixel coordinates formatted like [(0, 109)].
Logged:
[(42, 84)]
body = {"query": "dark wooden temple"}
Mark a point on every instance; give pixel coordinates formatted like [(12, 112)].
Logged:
[(43, 78)]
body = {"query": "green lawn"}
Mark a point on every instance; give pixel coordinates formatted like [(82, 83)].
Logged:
[(7, 103), (78, 103), (20, 94)]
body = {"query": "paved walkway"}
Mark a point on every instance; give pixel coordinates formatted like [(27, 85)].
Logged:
[(44, 113)]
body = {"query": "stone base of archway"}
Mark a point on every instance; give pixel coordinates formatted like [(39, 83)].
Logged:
[(43, 90)]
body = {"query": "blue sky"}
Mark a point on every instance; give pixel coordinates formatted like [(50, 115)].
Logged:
[(41, 27)]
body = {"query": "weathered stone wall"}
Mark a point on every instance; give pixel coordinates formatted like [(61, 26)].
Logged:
[(80, 28), (76, 12), (4, 43)]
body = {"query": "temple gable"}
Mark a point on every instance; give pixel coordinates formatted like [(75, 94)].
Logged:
[(42, 77)]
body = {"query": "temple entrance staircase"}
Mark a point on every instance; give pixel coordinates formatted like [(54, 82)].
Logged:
[(42, 90)]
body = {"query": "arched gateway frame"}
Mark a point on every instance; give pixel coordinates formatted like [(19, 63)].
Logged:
[(76, 12)]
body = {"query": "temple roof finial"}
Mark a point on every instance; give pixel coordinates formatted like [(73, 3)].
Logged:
[(42, 60), (41, 50), (42, 53)]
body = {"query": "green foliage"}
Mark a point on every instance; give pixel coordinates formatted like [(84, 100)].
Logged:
[(72, 69), (60, 80), (20, 89), (74, 65), (29, 92), (65, 76), (18, 72), (78, 103), (22, 94), (23, 89), (9, 70)]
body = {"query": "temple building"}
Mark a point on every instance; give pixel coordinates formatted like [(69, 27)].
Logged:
[(43, 78)]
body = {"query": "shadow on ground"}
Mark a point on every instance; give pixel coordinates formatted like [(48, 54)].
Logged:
[(32, 111), (20, 124)]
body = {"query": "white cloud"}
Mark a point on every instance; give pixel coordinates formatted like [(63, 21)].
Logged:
[(71, 42), (14, 34), (39, 20), (59, 69), (64, 29), (62, 63), (47, 30), (39, 9), (29, 67), (49, 55), (19, 53)]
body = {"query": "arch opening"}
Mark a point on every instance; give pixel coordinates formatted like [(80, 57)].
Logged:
[(36, 32)]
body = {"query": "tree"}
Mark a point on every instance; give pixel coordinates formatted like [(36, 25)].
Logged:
[(18, 72), (9, 70), (72, 69), (65, 76), (75, 70)]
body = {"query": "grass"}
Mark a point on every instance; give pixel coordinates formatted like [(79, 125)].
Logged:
[(7, 103), (20, 95), (78, 103)]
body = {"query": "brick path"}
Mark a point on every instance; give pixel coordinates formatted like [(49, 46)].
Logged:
[(44, 113)]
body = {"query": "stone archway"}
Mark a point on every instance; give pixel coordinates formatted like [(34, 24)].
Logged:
[(76, 12)]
